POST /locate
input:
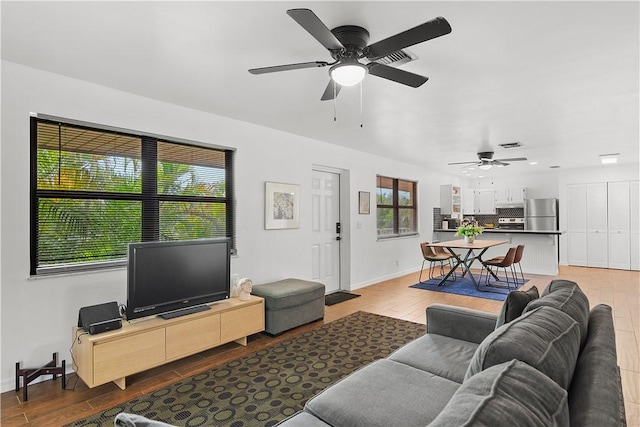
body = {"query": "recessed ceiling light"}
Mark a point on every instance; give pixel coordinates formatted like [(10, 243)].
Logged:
[(609, 159), (533, 163)]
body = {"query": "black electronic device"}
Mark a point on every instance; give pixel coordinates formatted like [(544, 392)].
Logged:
[(170, 276), (107, 325), (99, 318)]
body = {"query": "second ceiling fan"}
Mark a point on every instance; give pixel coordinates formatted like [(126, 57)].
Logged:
[(486, 161), (347, 45)]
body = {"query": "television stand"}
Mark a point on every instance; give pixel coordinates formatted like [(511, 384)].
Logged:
[(184, 311), (151, 341)]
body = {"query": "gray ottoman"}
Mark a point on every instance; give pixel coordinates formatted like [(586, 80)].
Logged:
[(289, 303)]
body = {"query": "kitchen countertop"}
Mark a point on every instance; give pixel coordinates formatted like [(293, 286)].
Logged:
[(502, 230)]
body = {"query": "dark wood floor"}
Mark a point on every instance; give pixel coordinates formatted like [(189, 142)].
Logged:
[(49, 405)]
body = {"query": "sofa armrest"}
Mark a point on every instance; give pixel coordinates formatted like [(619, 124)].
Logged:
[(461, 323)]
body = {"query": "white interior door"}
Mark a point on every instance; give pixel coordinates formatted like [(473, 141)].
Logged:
[(325, 246)]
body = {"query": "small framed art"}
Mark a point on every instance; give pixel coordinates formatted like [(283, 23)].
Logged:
[(364, 202), (282, 206)]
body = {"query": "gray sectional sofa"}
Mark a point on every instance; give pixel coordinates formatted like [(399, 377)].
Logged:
[(543, 361)]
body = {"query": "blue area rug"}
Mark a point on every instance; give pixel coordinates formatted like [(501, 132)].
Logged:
[(464, 286)]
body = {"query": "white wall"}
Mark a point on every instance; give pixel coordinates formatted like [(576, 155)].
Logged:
[(38, 313)]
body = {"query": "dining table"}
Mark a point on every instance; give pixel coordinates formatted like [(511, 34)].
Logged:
[(465, 262)]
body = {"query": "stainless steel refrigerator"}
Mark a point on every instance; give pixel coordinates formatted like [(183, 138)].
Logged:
[(541, 214)]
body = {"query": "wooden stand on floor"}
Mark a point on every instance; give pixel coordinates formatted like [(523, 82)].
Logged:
[(29, 374)]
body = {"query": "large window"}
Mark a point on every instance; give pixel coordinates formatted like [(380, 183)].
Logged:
[(93, 191), (396, 207)]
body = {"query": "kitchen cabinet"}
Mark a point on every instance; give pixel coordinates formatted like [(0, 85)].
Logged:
[(509, 196), (618, 212), (450, 200), (597, 246), (577, 224), (468, 202), (484, 202), (634, 224), (603, 225)]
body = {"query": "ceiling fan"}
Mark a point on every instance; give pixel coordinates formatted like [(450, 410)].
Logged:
[(347, 45), (486, 161)]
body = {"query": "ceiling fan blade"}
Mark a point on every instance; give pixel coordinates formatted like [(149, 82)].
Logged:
[(314, 26), (429, 30), (514, 159), (329, 93), (287, 67), (463, 163), (396, 74)]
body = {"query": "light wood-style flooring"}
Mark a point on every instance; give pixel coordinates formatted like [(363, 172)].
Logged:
[(48, 405)]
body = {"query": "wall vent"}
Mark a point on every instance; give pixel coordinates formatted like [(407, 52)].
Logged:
[(515, 144), (396, 58)]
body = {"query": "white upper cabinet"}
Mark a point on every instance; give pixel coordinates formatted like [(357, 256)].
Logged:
[(450, 200), (510, 196), (484, 201), (468, 201)]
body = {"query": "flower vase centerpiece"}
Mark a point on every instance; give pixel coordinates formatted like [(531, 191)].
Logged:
[(469, 229)]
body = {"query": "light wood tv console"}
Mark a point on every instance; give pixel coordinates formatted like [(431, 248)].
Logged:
[(149, 342)]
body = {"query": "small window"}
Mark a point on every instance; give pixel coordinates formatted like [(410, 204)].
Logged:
[(396, 207)]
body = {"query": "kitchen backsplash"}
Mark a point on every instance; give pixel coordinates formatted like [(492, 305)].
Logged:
[(482, 219)]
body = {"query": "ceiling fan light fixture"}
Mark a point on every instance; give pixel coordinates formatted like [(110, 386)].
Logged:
[(348, 73), (485, 166)]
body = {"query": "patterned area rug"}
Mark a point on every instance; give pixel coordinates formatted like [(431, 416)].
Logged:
[(464, 286), (269, 385)]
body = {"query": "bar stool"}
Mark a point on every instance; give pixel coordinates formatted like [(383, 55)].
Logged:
[(501, 262)]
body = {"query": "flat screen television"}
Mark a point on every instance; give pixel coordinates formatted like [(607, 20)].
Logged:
[(176, 277)]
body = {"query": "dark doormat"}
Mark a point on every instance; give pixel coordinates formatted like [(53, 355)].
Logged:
[(337, 297)]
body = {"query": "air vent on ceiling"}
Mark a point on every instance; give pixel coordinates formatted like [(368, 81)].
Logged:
[(396, 58), (515, 144)]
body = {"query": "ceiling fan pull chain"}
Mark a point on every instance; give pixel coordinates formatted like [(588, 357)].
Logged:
[(334, 100), (361, 83)]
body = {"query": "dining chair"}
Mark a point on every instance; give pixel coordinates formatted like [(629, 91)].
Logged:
[(501, 262), (428, 254), (516, 260)]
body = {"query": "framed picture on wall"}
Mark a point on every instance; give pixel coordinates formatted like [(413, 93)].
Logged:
[(282, 206), (364, 202)]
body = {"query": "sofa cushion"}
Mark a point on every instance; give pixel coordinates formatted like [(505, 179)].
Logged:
[(594, 396), (384, 393), (567, 297), (440, 355), (545, 338), (514, 305), (508, 394), (302, 419), (288, 293)]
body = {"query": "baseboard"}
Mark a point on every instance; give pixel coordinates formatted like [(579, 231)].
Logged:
[(395, 275)]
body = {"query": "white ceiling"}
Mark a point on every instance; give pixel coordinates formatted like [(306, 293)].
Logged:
[(562, 78)]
